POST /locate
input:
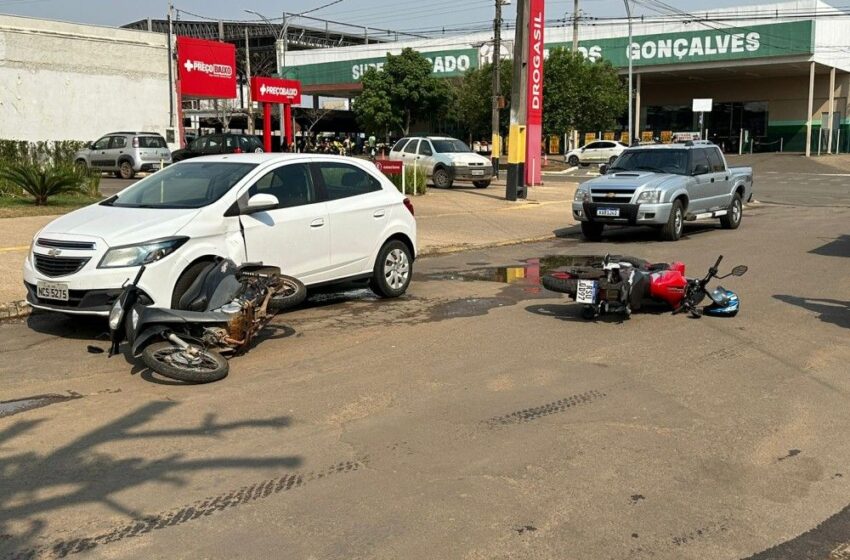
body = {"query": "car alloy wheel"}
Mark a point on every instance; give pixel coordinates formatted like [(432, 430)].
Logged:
[(396, 269)]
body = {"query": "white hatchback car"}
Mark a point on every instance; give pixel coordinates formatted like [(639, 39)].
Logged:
[(323, 219), (601, 151)]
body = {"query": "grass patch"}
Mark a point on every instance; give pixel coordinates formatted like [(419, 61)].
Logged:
[(20, 206)]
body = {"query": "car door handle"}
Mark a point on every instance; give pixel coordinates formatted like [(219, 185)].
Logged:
[(318, 222), (712, 179), (380, 213)]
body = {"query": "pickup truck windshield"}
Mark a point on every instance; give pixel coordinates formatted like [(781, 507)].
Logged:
[(183, 185), (659, 161), (450, 146)]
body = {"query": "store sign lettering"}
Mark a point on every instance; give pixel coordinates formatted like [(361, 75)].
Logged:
[(445, 64), (696, 46)]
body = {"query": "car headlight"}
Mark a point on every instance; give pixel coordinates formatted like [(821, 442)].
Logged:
[(651, 197), (582, 196), (115, 314), (143, 253)]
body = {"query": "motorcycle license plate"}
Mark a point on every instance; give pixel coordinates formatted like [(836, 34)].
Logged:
[(586, 291), (609, 212), (52, 290)]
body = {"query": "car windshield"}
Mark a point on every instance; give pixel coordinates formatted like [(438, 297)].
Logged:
[(450, 146), (658, 161), (151, 142), (183, 185)]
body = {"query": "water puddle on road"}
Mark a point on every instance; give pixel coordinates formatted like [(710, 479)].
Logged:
[(9, 408), (528, 273)]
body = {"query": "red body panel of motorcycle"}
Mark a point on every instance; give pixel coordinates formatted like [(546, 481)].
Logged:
[(669, 285)]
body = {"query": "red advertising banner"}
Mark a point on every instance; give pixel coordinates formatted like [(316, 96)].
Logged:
[(534, 132), (275, 90), (389, 167), (206, 68)]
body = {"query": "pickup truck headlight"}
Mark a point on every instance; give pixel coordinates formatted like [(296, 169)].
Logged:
[(582, 196), (143, 253), (651, 197)]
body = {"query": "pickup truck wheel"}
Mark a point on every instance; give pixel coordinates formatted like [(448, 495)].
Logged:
[(573, 161), (733, 218), (592, 231), (441, 178), (672, 230)]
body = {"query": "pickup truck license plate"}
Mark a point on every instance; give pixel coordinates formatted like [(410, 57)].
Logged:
[(609, 212), (478, 172), (52, 290), (586, 291)]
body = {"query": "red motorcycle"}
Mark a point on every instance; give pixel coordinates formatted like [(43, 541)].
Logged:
[(619, 284)]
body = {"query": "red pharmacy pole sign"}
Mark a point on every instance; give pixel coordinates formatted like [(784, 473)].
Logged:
[(274, 90), (534, 131)]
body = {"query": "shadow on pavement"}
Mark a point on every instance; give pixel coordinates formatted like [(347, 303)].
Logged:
[(83, 472), (838, 247), (630, 234), (832, 311), (80, 327)]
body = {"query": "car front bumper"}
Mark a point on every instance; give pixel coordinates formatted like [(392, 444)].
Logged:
[(472, 173), (630, 214)]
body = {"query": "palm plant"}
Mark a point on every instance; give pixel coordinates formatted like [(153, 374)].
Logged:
[(42, 181)]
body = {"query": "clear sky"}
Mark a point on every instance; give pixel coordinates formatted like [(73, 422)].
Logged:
[(400, 15)]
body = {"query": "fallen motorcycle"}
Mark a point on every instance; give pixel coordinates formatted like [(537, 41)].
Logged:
[(218, 316), (618, 284)]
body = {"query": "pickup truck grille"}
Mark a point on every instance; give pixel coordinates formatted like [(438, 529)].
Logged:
[(614, 194)]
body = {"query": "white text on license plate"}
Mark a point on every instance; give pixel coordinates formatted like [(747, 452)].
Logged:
[(612, 212), (52, 290), (586, 291), (478, 172)]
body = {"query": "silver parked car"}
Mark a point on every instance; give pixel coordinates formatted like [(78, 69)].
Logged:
[(125, 153), (444, 160)]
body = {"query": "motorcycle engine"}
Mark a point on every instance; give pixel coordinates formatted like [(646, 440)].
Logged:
[(236, 323)]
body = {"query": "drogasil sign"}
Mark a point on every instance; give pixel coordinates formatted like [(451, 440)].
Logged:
[(275, 90), (206, 68)]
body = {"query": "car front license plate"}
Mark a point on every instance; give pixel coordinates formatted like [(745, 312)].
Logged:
[(52, 290), (478, 172), (608, 212), (586, 291)]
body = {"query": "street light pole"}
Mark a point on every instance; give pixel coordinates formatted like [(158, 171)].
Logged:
[(629, 55), (280, 57), (496, 144)]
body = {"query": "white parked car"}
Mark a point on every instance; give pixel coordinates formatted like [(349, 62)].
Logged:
[(444, 160), (601, 151), (323, 219)]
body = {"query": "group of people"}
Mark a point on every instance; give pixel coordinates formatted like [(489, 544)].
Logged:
[(345, 145)]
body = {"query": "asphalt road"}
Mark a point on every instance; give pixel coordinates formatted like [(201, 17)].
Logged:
[(470, 419)]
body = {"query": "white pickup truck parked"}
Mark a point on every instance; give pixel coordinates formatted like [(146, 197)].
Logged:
[(664, 186)]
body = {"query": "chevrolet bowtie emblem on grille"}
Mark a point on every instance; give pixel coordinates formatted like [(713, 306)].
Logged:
[(54, 252), (610, 195)]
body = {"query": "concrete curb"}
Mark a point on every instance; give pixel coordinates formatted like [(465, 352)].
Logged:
[(14, 310)]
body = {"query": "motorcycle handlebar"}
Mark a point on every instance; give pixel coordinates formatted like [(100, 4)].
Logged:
[(139, 275), (720, 258)]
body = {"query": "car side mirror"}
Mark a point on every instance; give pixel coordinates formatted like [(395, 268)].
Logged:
[(603, 169), (260, 203), (89, 144), (700, 169), (739, 270)]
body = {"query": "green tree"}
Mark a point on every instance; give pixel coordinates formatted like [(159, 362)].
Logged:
[(579, 94), (403, 93), (473, 100)]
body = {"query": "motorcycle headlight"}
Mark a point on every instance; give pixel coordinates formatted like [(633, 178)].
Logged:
[(582, 196), (134, 318), (143, 253), (115, 314), (651, 197)]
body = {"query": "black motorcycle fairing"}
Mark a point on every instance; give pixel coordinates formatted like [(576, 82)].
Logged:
[(215, 285), (150, 333)]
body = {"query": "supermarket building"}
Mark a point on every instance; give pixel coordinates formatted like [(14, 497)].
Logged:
[(775, 72)]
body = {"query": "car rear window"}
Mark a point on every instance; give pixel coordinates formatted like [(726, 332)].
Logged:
[(151, 142)]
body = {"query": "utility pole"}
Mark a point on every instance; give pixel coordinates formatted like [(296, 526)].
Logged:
[(248, 84), (575, 26), (496, 145), (631, 72), (515, 186), (170, 66)]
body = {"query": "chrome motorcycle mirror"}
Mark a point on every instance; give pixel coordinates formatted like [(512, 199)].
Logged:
[(739, 270)]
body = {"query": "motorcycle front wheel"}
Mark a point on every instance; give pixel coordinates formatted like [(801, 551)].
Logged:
[(291, 293), (199, 366)]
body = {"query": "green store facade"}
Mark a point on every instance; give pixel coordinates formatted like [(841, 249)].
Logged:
[(774, 76)]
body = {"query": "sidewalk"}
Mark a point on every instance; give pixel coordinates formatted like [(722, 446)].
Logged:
[(448, 220)]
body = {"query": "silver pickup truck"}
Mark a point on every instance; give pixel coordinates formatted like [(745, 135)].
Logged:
[(664, 186)]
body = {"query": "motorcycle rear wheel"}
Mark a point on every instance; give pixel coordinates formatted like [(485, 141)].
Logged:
[(172, 361), (292, 293)]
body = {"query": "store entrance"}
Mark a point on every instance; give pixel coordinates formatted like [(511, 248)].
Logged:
[(727, 119)]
